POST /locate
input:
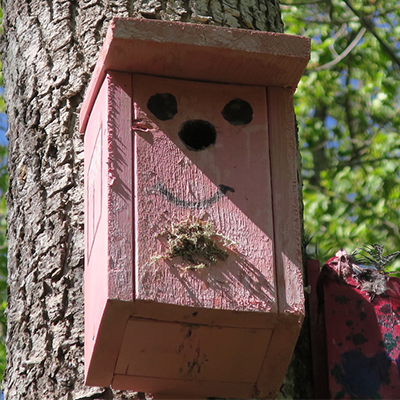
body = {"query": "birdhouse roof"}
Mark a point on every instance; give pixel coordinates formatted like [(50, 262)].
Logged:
[(198, 52)]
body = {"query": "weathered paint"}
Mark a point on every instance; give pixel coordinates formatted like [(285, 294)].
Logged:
[(283, 153), (108, 223), (363, 339), (245, 281), (152, 324)]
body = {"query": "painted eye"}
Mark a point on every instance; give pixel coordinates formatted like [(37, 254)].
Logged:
[(163, 106), (197, 134), (238, 112)]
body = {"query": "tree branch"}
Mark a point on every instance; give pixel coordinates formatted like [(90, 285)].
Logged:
[(368, 24), (349, 48), (354, 163), (336, 36), (302, 3)]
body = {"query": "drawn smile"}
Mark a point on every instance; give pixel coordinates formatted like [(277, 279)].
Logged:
[(205, 203)]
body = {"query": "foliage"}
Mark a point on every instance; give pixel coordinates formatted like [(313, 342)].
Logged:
[(347, 106), (372, 256)]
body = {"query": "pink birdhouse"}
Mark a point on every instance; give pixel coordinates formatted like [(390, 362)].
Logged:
[(193, 276)]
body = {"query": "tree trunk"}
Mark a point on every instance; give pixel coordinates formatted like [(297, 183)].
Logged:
[(49, 50)]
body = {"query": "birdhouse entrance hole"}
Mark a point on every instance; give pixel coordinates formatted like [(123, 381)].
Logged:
[(197, 134)]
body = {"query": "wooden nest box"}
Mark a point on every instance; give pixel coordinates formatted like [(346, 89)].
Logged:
[(193, 276)]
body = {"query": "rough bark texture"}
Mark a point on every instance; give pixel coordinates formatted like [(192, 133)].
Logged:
[(49, 49)]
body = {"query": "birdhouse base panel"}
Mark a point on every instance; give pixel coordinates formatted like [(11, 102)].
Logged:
[(176, 397), (189, 352), (164, 387)]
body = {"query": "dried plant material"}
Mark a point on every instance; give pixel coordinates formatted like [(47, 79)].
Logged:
[(366, 265), (196, 242), (372, 255)]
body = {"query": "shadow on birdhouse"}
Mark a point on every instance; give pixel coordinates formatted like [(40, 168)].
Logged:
[(193, 274)]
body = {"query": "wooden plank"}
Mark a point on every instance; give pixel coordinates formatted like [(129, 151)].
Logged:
[(198, 52), (101, 363), (167, 396), (96, 223), (174, 183), (285, 200), (108, 215), (119, 178), (205, 316), (162, 388), (191, 352), (278, 355)]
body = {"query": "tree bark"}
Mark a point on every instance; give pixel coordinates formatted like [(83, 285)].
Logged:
[(49, 50)]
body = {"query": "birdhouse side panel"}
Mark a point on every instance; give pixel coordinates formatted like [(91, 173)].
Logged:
[(96, 221), (204, 232), (120, 186), (285, 193), (108, 219)]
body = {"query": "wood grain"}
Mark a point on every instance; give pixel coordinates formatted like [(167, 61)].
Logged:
[(239, 159), (286, 211), (199, 52)]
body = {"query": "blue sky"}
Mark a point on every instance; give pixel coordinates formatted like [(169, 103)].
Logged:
[(3, 129)]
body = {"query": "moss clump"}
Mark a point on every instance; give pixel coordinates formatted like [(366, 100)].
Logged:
[(196, 242)]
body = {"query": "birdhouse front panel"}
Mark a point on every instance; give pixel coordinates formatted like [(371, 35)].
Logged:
[(204, 224)]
